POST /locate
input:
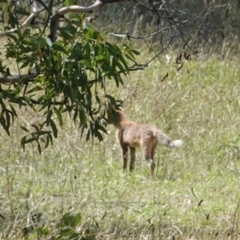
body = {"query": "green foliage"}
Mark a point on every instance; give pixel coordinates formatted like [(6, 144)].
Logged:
[(68, 227), (72, 75), (70, 219)]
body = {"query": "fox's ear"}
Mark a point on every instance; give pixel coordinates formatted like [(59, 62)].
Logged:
[(120, 105), (109, 104), (110, 111), (110, 107), (114, 107)]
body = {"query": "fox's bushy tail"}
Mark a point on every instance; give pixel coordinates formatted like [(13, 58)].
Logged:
[(166, 141)]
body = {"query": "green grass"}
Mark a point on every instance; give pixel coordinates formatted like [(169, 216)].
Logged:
[(195, 193)]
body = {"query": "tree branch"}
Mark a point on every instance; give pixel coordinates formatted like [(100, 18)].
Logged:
[(26, 23), (62, 11), (10, 79)]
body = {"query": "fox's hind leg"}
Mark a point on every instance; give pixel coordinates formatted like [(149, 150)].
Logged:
[(132, 161), (152, 152), (148, 150)]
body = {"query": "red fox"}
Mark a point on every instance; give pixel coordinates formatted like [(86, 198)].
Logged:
[(131, 135)]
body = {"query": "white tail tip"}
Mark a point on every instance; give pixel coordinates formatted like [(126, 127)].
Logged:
[(176, 143)]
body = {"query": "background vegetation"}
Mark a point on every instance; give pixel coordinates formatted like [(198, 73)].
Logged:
[(76, 189), (194, 193)]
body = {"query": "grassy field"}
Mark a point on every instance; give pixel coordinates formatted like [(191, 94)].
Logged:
[(195, 193)]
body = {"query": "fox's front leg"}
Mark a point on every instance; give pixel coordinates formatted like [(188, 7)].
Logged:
[(132, 161), (125, 155)]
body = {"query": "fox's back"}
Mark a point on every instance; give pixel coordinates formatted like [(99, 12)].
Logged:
[(132, 133)]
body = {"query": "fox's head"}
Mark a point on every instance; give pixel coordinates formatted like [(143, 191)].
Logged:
[(115, 114)]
